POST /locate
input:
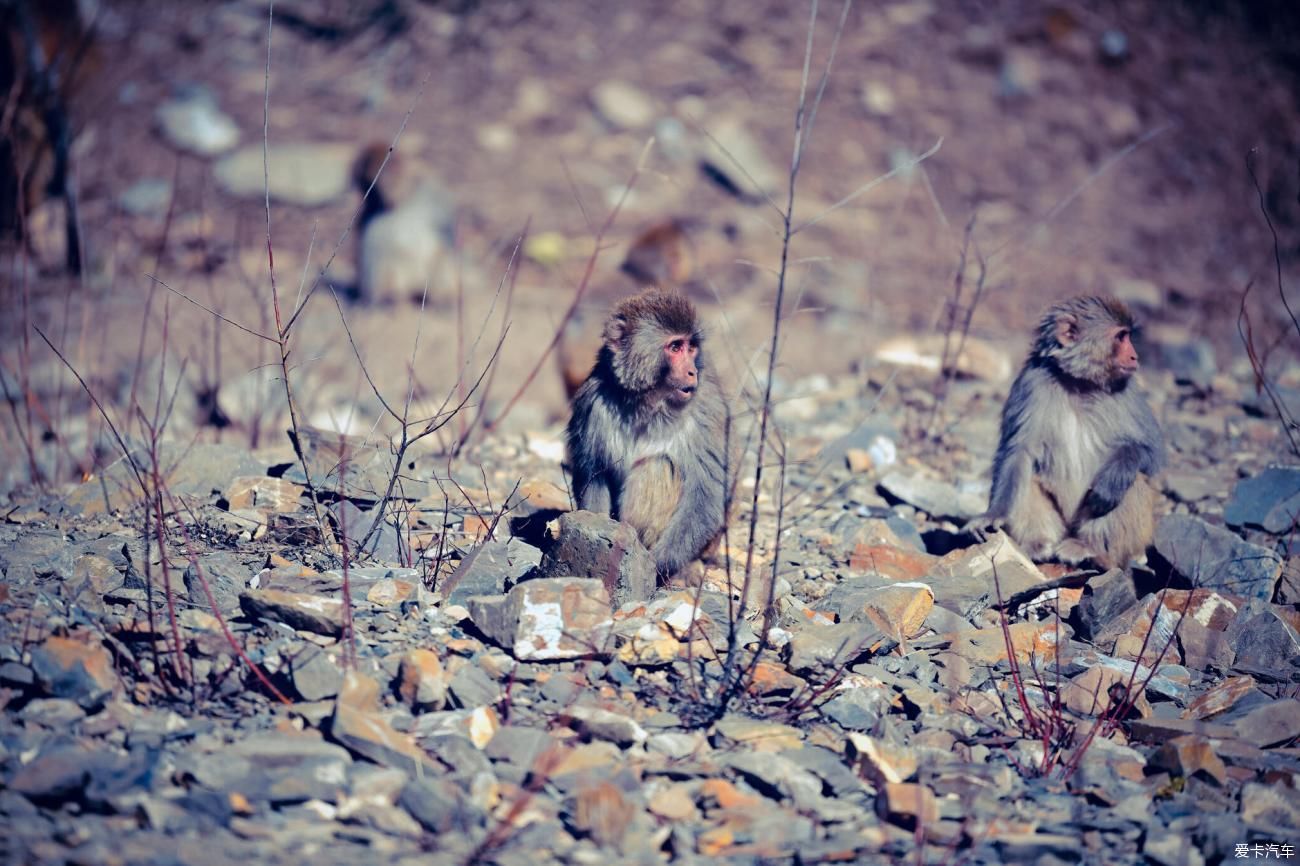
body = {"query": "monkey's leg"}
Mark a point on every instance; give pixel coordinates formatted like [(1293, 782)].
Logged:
[(1123, 533), (1035, 523)]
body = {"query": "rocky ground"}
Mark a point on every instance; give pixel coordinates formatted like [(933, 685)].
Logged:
[(491, 682), (192, 671)]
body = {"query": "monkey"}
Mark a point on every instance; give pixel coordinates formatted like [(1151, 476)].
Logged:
[(1079, 443), (47, 54), (660, 256), (647, 440), (405, 226)]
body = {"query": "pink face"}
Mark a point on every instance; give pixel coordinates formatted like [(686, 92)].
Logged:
[(1124, 357), (682, 377)]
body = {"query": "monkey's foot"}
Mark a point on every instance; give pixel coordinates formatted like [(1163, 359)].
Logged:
[(1074, 552)]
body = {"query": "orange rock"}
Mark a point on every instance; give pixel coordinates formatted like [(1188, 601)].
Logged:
[(900, 611), (987, 646), (1220, 698), (769, 679), (714, 841), (907, 804), (727, 795), (1190, 754), (896, 563), (545, 496), (264, 493), (475, 527), (422, 683), (603, 812)]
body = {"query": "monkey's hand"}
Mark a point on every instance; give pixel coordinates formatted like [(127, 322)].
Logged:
[(984, 527)]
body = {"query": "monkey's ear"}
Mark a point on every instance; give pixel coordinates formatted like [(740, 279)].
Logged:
[(615, 331), (1067, 329)]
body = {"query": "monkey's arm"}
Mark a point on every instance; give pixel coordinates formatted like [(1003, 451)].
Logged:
[(592, 485), (1141, 452), (1013, 465), (701, 511)]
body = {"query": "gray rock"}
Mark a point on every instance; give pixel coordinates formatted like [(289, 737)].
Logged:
[(859, 709), (937, 498), (441, 807), (1214, 558), (622, 105), (315, 675), (518, 746), (226, 575), (471, 687), (59, 713), (1190, 487), (196, 469), (193, 122), (54, 776), (490, 569), (301, 173), (1268, 501), (595, 546), (605, 725), (148, 197), (1104, 598), (1265, 643)]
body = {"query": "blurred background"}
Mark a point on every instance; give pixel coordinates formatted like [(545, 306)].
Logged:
[(1085, 147)]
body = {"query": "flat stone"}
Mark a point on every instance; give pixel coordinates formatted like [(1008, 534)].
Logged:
[(964, 580), (489, 569), (1190, 754), (605, 725), (421, 681), (55, 776), (897, 563), (907, 804), (547, 619), (471, 687), (441, 807), (1270, 807), (1220, 698), (594, 546), (68, 668), (301, 173), (1214, 558), (934, 496), (1268, 501), (264, 493), (603, 812), (195, 123), (316, 675), (358, 725), (1158, 730), (1273, 724), (225, 574), (762, 736), (191, 469), (303, 612)]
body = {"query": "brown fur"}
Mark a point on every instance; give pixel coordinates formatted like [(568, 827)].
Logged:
[(660, 256), (650, 496)]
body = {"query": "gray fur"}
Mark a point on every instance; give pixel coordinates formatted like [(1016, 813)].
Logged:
[(621, 417), (1079, 438)]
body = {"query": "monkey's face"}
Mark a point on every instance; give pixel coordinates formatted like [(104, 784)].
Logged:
[(681, 374), (1124, 358)]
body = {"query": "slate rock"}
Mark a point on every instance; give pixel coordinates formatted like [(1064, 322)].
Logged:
[(1215, 558), (936, 497), (1266, 643), (421, 681), (67, 668), (312, 613), (1268, 501), (470, 687), (595, 546), (226, 575), (316, 675), (1273, 724), (441, 807), (1104, 598), (547, 619), (358, 725), (490, 569)]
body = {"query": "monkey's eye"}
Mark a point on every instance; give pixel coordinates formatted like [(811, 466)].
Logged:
[(1121, 335), (676, 346)]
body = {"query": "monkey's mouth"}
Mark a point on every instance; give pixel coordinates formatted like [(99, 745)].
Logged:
[(684, 393)]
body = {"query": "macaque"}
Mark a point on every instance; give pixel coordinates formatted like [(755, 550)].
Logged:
[(405, 227), (1079, 442), (647, 440), (660, 256), (44, 50)]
